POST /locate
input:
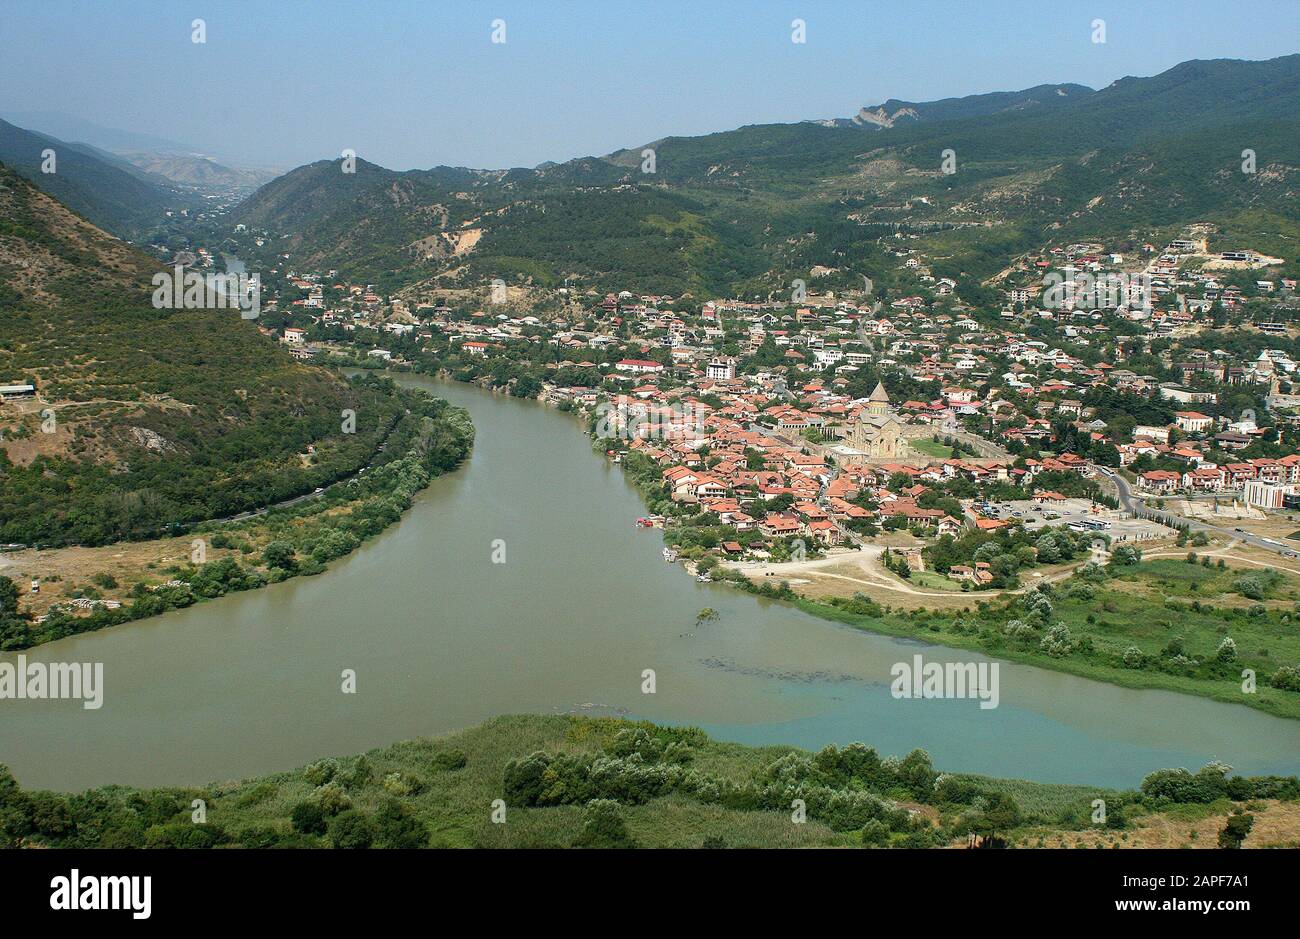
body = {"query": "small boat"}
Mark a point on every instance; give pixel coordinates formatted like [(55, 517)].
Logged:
[(670, 555), (704, 579)]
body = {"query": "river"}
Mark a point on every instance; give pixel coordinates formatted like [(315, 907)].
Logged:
[(441, 637)]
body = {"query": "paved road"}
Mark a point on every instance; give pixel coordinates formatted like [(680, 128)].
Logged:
[(1134, 503)]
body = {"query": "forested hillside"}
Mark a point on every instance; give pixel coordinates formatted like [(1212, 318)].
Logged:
[(146, 419), (104, 189)]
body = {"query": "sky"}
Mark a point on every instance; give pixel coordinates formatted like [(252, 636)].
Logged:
[(419, 83)]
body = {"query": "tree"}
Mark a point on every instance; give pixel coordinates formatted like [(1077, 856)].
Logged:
[(279, 554), (706, 615), (8, 596), (351, 830), (1237, 828), (396, 827), (308, 818), (603, 826), (999, 812)]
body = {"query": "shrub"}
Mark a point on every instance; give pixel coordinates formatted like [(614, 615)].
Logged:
[(308, 818), (450, 760), (1249, 587), (603, 826), (395, 826), (1287, 678), (332, 799), (1058, 642), (279, 554), (875, 834), (351, 830), (1235, 831), (320, 772), (1179, 785)]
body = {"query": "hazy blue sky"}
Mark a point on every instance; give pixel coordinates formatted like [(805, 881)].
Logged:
[(416, 84)]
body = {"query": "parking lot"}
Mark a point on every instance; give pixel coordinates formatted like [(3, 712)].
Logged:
[(1075, 513)]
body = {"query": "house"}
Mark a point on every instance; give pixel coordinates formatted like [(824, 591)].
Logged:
[(1151, 432), (1160, 480), (638, 366), (775, 525), (978, 575), (294, 336), (1193, 422), (17, 391), (721, 368)]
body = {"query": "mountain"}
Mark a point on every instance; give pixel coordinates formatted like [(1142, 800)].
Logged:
[(746, 210), (104, 189), (196, 171), (70, 127), (145, 417), (164, 162), (892, 112)]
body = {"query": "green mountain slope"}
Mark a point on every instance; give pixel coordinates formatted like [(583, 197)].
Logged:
[(106, 190), (145, 419), (894, 112)]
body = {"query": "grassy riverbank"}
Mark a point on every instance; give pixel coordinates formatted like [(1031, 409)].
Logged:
[(1157, 624), (562, 781), (84, 589)]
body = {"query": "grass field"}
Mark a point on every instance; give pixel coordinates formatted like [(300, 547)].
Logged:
[(1164, 608), (931, 448)]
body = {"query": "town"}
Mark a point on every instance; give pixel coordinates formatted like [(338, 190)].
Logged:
[(1116, 394)]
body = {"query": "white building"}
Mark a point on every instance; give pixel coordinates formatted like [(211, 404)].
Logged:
[(1262, 495), (721, 368)]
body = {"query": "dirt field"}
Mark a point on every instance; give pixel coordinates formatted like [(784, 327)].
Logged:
[(1277, 824), (63, 571), (844, 574)]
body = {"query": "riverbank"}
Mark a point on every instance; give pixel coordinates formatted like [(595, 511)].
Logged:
[(657, 787), (1190, 627), (1155, 626), (85, 589)]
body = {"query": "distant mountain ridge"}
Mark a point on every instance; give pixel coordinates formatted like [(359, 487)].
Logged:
[(891, 112), (164, 162), (743, 210), (103, 188)]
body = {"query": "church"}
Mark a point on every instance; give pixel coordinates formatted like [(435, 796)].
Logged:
[(878, 432)]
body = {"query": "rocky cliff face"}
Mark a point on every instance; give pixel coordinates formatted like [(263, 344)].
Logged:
[(880, 117)]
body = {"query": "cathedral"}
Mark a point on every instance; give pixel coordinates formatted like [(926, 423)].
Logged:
[(878, 432)]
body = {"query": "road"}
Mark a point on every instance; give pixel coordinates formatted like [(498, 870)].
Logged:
[(1133, 503)]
